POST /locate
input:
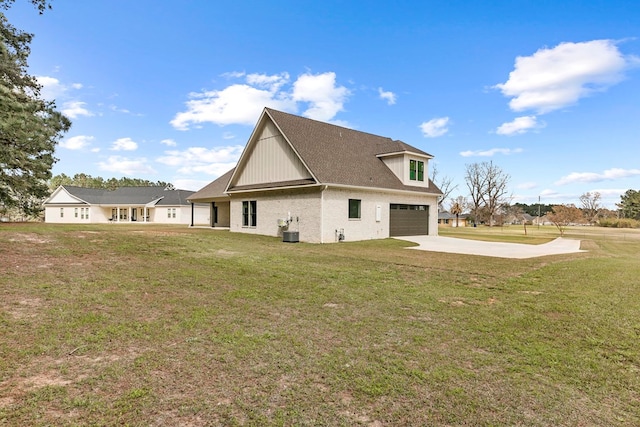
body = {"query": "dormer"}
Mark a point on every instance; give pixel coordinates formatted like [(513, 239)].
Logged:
[(410, 167)]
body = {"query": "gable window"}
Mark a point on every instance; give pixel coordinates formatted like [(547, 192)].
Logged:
[(249, 213), (354, 208), (416, 170)]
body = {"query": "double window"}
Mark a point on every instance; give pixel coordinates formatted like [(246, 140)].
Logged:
[(355, 208), (249, 213), (416, 170)]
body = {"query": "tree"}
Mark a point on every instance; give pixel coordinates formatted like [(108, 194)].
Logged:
[(41, 5), (487, 184), (630, 204), (88, 181), (457, 207), (565, 215), (445, 184), (30, 127), (590, 203)]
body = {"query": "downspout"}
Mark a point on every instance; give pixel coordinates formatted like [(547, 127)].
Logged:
[(322, 213)]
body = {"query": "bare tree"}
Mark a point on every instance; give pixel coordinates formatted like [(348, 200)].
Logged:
[(565, 215), (591, 207), (445, 184), (487, 185), (475, 183)]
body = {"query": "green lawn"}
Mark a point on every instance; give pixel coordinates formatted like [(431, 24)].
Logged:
[(164, 326)]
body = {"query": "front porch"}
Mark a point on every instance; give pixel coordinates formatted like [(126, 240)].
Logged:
[(128, 214)]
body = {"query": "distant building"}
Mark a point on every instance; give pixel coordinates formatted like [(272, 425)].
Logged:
[(79, 205)]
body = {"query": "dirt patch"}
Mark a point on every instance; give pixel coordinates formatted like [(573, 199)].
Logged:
[(29, 238), (23, 309)]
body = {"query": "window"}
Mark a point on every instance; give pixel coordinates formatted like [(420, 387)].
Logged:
[(249, 213), (416, 170), (75, 212), (171, 212), (354, 208), (61, 212)]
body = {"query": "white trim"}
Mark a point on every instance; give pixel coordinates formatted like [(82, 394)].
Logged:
[(401, 153)]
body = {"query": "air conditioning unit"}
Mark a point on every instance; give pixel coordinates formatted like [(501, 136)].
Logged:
[(291, 236)]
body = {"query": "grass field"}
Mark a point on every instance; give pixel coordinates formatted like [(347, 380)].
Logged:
[(165, 326)]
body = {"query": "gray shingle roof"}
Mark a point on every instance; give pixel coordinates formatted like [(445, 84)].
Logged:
[(130, 195), (214, 189), (334, 155)]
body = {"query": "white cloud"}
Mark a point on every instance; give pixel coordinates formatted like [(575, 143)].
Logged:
[(491, 152), (435, 127), (169, 142), (321, 92), (518, 126), (124, 144), (190, 184), (390, 97), (228, 135), (233, 74), (273, 83), (76, 142), (242, 103), (553, 78), (550, 194), (607, 175), (75, 109), (127, 166), (53, 88), (236, 104), (215, 161), (527, 186)]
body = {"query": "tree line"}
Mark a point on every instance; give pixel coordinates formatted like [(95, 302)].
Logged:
[(88, 181), (489, 202)]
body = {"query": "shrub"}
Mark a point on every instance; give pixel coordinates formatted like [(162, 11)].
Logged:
[(619, 223)]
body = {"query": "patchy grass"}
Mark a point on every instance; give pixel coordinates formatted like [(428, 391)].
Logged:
[(148, 325)]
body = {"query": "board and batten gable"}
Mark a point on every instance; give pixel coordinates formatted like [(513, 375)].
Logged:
[(269, 159)]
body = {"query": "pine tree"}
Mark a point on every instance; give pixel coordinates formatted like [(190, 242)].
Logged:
[(30, 127)]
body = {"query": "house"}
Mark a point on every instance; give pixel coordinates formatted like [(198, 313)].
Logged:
[(447, 219), (326, 183), (71, 204)]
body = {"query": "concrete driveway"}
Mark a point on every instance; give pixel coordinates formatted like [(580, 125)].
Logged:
[(493, 249)]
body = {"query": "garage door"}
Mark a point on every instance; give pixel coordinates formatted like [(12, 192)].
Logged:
[(408, 220)]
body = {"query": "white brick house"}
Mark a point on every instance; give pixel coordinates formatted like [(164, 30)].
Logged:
[(326, 182)]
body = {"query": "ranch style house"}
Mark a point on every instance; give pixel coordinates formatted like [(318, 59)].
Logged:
[(80, 205)]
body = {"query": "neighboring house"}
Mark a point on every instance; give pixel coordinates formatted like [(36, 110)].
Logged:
[(70, 204), (325, 182), (447, 219)]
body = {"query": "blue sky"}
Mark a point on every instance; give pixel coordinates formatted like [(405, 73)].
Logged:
[(170, 90)]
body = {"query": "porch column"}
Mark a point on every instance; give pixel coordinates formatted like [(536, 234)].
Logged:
[(192, 212), (213, 214), (129, 212), (144, 212), (118, 213)]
